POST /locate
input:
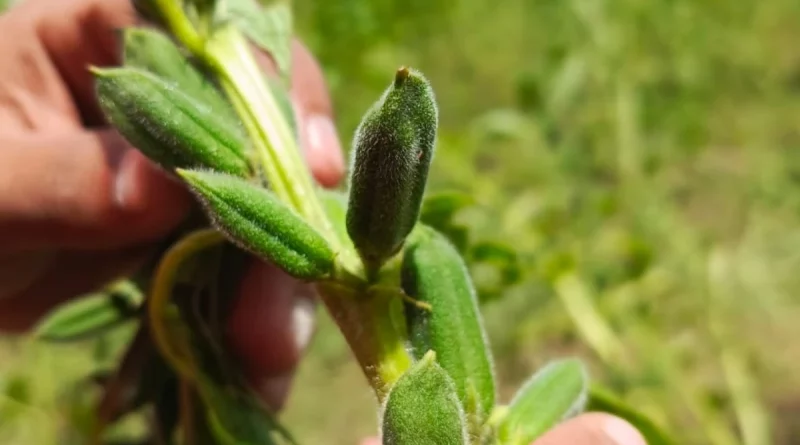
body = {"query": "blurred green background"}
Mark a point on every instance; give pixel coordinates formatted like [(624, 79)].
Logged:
[(642, 160)]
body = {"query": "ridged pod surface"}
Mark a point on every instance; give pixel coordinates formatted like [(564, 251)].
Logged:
[(168, 126), (393, 148), (155, 52), (434, 273), (259, 222)]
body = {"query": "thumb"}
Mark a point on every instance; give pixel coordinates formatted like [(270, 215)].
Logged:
[(593, 429)]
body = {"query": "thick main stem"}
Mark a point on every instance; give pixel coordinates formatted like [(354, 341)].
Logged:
[(367, 323)]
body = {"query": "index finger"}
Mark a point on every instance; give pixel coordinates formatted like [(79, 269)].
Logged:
[(76, 34)]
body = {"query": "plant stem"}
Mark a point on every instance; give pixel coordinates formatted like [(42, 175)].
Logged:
[(276, 147), (163, 283), (180, 26), (369, 323)]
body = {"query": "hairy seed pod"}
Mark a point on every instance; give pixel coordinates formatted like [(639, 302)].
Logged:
[(259, 222), (423, 408), (168, 126), (393, 148), (434, 273), (156, 53)]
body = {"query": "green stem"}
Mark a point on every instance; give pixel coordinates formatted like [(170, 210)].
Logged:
[(276, 147), (181, 27), (370, 324)]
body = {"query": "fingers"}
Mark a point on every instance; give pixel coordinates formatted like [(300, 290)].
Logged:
[(270, 326), (593, 429), (318, 136), (64, 276), (588, 429), (83, 190), (77, 34)]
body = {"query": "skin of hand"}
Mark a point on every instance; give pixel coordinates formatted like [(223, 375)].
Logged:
[(587, 429), (80, 207)]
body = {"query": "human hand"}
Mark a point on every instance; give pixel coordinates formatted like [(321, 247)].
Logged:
[(587, 429), (80, 207)]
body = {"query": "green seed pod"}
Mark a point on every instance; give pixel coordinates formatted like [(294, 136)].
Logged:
[(154, 52), (257, 221), (168, 126), (423, 408), (434, 273), (393, 148)]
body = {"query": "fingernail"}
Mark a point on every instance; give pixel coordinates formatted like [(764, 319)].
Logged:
[(303, 313), (125, 182), (622, 432), (323, 150), (134, 177)]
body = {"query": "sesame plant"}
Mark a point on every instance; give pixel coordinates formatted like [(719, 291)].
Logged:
[(190, 97)]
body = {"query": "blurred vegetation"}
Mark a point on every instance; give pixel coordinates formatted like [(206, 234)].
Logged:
[(641, 160)]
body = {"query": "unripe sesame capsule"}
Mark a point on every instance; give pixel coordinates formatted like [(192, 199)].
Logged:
[(393, 148)]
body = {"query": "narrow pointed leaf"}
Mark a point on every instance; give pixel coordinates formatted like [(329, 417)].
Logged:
[(167, 125), (89, 316), (423, 408), (239, 419), (556, 392), (433, 272), (259, 222)]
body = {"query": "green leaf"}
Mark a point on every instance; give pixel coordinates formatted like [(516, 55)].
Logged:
[(601, 399), (268, 26), (555, 393), (335, 204), (237, 418), (502, 260), (154, 52), (438, 209), (90, 315), (423, 408), (433, 272), (167, 125), (256, 220)]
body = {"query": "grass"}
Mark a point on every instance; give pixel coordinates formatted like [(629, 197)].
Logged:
[(642, 160)]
